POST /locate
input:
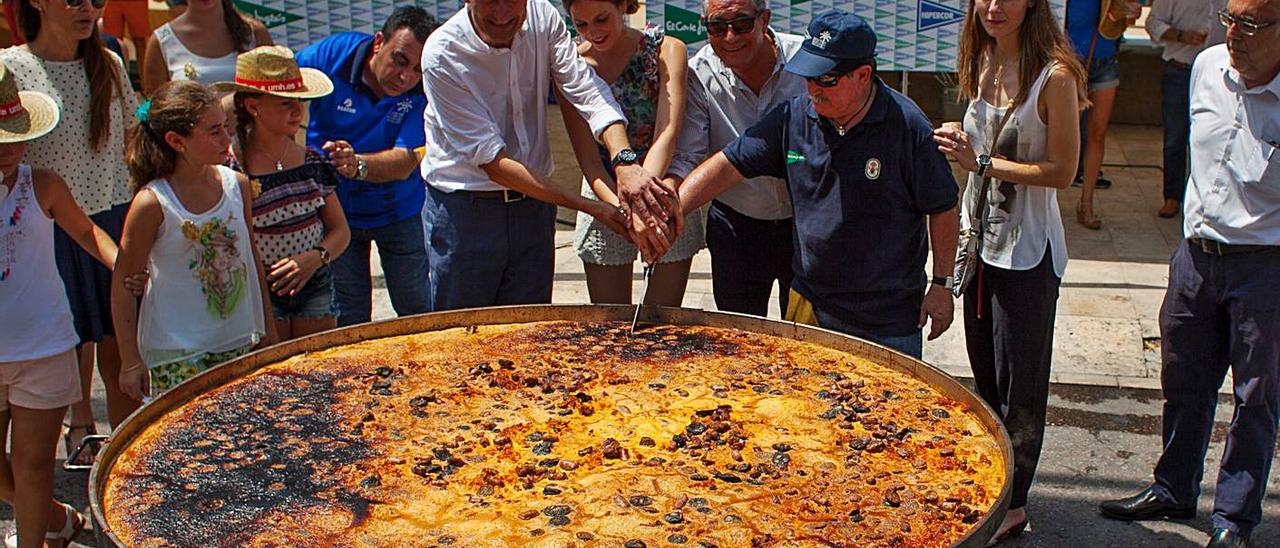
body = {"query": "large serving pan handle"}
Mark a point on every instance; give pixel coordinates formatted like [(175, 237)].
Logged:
[(96, 440)]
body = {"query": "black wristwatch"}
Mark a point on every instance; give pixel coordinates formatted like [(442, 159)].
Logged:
[(984, 162), (625, 156), (945, 282)]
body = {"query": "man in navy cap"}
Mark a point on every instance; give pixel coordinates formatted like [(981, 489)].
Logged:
[(870, 190)]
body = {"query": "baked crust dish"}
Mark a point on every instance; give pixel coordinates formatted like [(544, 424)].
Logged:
[(561, 434)]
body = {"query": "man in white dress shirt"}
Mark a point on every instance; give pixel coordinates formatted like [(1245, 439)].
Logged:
[(1184, 28), (490, 205), (1222, 308)]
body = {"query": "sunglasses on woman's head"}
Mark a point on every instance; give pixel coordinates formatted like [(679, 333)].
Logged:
[(97, 4), (741, 25)]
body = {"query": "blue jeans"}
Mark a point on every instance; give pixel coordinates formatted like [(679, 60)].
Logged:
[(1175, 109), (313, 301), (488, 252), (747, 256), (911, 344), (404, 266)]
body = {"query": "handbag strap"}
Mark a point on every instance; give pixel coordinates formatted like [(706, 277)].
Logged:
[(981, 222)]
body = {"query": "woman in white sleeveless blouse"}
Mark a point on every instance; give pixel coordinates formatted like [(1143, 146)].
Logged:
[(201, 44), (1013, 55)]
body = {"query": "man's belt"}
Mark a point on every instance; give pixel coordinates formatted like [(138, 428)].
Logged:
[(506, 196), (1214, 247), (1179, 64)]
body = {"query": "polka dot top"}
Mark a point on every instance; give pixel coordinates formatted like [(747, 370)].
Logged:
[(98, 179), (286, 206)]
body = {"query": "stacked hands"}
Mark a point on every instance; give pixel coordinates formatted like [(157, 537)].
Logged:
[(648, 212)]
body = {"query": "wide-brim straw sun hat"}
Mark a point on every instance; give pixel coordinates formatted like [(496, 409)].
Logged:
[(24, 115), (274, 71)]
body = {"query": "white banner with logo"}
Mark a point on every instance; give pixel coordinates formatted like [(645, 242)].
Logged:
[(914, 35)]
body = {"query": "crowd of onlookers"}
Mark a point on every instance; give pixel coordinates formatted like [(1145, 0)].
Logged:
[(154, 233)]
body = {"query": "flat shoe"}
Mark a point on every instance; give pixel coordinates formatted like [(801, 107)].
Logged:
[(1012, 532)]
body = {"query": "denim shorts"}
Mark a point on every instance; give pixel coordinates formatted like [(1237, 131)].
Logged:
[(1104, 73), (314, 301)]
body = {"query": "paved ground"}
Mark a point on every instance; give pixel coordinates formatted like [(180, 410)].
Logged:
[(1104, 423)]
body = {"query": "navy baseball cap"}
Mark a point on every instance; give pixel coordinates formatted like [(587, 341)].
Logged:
[(832, 37)]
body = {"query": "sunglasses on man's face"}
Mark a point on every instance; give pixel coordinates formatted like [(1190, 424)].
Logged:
[(828, 80), (97, 4), (741, 25)]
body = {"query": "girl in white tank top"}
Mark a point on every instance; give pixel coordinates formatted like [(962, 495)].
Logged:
[(187, 226), (38, 369)]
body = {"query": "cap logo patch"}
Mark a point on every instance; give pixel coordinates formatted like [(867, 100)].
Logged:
[(820, 41), (872, 170)]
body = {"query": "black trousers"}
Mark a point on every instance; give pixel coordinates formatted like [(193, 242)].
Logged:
[(1220, 312), (1008, 330), (748, 256)]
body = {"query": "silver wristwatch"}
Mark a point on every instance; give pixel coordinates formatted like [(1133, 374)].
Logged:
[(362, 168)]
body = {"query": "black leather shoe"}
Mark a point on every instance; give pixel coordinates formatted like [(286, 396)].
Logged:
[(1225, 538), (1143, 506)]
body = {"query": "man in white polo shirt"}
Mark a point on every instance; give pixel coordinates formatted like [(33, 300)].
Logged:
[(490, 205)]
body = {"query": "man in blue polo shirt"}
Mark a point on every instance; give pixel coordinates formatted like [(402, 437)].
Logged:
[(371, 128), (870, 190)]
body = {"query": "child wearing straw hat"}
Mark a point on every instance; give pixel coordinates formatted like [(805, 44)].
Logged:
[(188, 227), (38, 371), (297, 219)]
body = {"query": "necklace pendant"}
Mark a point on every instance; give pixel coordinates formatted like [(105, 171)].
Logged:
[(279, 165)]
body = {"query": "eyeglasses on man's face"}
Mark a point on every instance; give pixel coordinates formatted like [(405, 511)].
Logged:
[(1247, 27), (719, 27)]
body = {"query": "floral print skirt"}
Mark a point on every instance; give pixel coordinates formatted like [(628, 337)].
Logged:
[(169, 375)]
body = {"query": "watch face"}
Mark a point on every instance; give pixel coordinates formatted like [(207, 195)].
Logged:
[(625, 156)]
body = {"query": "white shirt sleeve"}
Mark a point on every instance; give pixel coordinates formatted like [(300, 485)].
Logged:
[(691, 148), (1161, 19), (465, 129), (578, 81)]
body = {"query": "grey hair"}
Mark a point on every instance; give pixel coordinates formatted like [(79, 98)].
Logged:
[(759, 5)]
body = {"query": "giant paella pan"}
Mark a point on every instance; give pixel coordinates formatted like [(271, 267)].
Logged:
[(557, 426)]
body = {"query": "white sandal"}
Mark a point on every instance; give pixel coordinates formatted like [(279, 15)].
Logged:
[(71, 526)]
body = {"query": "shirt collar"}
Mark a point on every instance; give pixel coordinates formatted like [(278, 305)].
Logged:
[(353, 67), (876, 113), (1235, 84)]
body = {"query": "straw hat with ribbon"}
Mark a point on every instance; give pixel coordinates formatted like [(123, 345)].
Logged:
[(273, 70), (24, 115)]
